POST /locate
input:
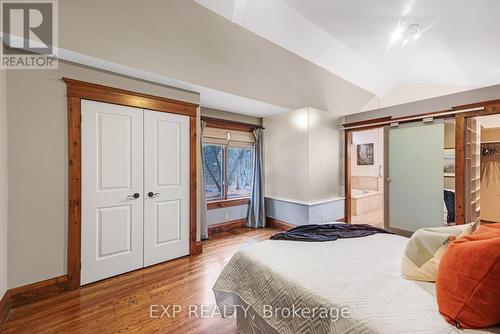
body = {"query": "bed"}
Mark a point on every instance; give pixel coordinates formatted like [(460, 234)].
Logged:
[(267, 281)]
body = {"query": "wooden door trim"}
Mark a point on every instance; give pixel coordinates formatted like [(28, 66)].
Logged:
[(347, 167), (368, 122), (100, 93), (347, 174), (74, 191), (490, 108), (226, 203), (78, 90), (460, 124), (218, 123)]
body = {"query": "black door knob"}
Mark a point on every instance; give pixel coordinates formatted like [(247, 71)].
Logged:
[(134, 196), (152, 194)]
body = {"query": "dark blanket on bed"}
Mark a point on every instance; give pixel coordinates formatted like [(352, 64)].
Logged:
[(328, 232)]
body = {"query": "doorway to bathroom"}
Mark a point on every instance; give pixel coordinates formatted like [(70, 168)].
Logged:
[(366, 195), (400, 174)]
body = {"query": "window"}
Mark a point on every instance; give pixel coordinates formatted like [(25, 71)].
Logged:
[(212, 156), (239, 172), (228, 171)]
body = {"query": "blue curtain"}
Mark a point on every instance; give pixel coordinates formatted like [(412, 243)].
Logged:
[(256, 212), (203, 195)]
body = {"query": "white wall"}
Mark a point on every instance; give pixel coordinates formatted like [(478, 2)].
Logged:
[(3, 182), (302, 155), (324, 151), (406, 92), (223, 215), (230, 116), (286, 155), (303, 160), (37, 161)]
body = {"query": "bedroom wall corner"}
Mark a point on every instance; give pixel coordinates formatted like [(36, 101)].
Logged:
[(324, 155), (341, 147), (286, 155), (303, 166), (3, 182)]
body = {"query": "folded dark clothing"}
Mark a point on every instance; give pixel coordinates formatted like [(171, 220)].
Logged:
[(328, 232)]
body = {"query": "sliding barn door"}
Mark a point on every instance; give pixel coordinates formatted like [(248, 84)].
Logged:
[(112, 190), (166, 186), (415, 176)]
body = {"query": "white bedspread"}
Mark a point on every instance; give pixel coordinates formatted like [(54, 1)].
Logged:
[(362, 274)]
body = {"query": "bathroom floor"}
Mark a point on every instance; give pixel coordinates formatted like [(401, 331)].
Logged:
[(374, 218)]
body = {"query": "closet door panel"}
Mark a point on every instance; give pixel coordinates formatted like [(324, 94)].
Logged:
[(112, 172), (167, 222), (166, 190), (168, 159)]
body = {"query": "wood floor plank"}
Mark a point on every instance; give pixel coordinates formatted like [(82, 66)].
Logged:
[(122, 304)]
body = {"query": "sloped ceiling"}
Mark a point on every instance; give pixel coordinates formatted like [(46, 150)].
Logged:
[(454, 50), (279, 23), (458, 43), (185, 41)]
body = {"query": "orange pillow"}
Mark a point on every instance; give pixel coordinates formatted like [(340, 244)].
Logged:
[(488, 228), (468, 279)]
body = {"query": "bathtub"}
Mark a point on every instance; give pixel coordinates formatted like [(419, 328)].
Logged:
[(364, 201)]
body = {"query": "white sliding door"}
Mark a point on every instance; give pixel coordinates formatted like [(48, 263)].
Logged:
[(166, 186), (415, 176), (112, 190)]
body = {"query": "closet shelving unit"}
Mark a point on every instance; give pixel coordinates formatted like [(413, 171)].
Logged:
[(473, 170)]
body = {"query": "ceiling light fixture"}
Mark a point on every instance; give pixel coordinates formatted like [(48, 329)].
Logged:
[(406, 32), (413, 29)]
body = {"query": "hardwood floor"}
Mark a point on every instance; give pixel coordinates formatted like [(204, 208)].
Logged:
[(374, 218), (123, 304)]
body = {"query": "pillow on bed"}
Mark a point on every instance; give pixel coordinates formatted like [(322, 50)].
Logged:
[(467, 284), (485, 228), (425, 249)]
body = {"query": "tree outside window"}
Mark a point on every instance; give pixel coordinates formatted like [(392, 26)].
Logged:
[(228, 171)]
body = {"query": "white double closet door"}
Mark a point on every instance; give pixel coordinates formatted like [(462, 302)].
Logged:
[(135, 189)]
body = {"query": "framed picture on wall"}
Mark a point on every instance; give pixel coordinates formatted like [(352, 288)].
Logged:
[(365, 154), (449, 162)]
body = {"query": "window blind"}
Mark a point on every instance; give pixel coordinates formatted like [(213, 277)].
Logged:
[(228, 137)]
